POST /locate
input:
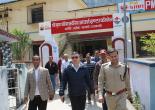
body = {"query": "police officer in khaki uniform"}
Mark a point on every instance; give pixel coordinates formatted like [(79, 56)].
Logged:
[(112, 77)]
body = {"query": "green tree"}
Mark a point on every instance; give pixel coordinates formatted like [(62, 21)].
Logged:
[(20, 48), (148, 42)]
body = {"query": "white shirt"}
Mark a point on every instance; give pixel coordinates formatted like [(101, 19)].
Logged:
[(78, 66), (64, 65), (37, 78)]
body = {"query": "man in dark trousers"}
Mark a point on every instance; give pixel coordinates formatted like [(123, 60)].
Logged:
[(90, 66), (59, 67), (38, 86), (53, 70), (76, 75), (103, 56)]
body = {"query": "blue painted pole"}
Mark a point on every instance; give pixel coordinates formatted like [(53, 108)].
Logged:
[(125, 33)]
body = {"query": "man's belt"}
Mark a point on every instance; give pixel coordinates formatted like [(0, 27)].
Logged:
[(116, 93)]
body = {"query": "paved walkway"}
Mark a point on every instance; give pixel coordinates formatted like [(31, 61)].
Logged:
[(56, 104)]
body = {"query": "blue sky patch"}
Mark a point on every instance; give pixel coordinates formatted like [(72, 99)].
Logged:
[(5, 1)]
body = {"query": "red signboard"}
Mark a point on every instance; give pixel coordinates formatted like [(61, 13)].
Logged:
[(82, 24), (149, 4)]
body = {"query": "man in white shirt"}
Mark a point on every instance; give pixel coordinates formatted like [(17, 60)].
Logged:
[(36, 75), (38, 86), (65, 63)]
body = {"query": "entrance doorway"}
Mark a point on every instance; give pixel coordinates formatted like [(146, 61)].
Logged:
[(35, 47), (85, 47)]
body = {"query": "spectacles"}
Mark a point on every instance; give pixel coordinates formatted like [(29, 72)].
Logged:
[(75, 57)]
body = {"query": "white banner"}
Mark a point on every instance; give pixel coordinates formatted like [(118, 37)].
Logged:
[(132, 6), (118, 24), (141, 5), (45, 31), (118, 29)]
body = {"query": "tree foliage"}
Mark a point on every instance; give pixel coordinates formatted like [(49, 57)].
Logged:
[(149, 43), (21, 47)]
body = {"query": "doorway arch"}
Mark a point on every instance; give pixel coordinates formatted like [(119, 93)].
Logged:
[(49, 48)]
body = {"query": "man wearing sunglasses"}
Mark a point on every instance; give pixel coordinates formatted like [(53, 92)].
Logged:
[(76, 75)]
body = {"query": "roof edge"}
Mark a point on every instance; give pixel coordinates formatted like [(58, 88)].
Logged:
[(8, 34), (10, 2), (92, 7)]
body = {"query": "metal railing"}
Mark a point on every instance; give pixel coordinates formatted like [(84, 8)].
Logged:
[(14, 97), (12, 86)]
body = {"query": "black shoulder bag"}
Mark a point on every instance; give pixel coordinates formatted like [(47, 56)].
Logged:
[(124, 75)]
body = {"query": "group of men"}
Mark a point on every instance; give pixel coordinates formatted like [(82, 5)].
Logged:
[(102, 73)]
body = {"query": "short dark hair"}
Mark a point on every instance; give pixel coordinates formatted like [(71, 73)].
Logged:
[(75, 53), (112, 50)]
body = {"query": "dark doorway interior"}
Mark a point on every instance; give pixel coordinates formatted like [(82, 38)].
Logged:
[(36, 49), (85, 47)]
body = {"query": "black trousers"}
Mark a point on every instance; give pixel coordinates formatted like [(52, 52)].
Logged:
[(37, 102), (60, 76), (78, 102), (89, 95), (104, 106)]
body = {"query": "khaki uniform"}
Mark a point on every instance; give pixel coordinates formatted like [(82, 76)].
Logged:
[(110, 79)]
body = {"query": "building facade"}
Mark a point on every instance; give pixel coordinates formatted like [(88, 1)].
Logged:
[(27, 14)]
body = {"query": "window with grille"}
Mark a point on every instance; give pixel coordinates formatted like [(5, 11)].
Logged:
[(35, 14)]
